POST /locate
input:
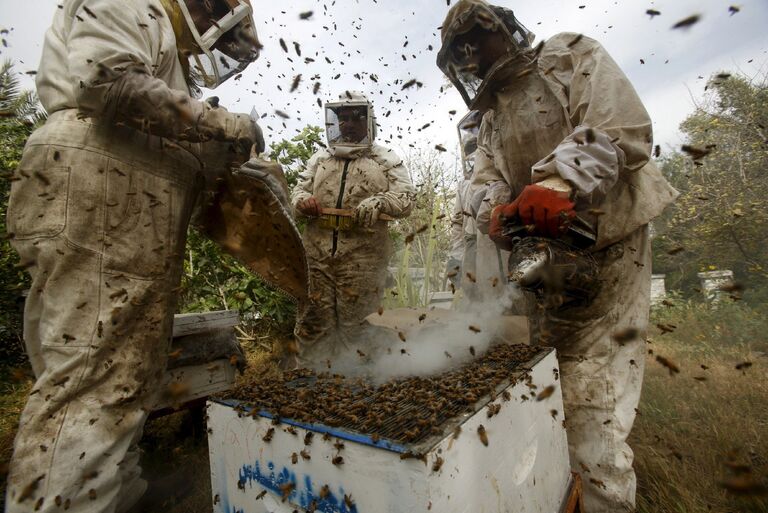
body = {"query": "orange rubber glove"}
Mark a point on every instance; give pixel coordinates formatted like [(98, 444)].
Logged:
[(547, 211)]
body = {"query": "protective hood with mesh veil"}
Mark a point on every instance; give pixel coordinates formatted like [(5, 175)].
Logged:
[(226, 43), (355, 109), (462, 18), (468, 129)]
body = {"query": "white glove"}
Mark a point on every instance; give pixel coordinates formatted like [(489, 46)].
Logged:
[(497, 193), (367, 212)]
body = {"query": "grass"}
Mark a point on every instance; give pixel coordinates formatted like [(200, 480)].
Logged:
[(685, 434), (691, 431)]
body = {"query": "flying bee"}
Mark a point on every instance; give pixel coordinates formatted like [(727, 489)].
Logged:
[(666, 328), (546, 393), (624, 335), (684, 24), (669, 364)]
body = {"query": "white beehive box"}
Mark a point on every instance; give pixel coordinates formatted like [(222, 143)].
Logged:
[(523, 469)]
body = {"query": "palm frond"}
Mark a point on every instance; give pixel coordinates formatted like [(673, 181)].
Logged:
[(16, 103)]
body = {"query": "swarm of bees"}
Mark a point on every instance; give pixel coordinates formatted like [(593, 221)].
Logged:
[(423, 404)]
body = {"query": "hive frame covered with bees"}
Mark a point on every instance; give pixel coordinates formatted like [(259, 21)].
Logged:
[(258, 466)]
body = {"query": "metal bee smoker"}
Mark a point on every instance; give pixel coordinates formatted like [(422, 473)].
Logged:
[(555, 268)]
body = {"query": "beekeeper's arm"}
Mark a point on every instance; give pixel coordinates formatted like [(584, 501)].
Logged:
[(397, 200), (612, 131), (110, 56), (491, 190), (302, 200)]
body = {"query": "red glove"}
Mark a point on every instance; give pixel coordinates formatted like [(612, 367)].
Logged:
[(309, 207), (547, 210)]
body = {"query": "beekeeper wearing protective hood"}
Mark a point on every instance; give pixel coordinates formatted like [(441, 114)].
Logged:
[(475, 263), (462, 245), (570, 139), (349, 193), (98, 212)]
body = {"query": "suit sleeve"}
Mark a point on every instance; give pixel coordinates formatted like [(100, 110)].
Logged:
[(612, 130)]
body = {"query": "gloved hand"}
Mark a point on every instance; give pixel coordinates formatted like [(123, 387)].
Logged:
[(547, 210), (217, 123), (367, 212), (496, 193), (309, 207)]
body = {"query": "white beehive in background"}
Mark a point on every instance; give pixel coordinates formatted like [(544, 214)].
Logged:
[(524, 468)]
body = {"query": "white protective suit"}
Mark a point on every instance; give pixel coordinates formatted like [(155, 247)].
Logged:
[(458, 246), (99, 214), (347, 267), (483, 264), (570, 112)]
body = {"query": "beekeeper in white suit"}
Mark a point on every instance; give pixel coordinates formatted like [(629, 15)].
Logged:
[(98, 212), (461, 254), (567, 135), (345, 191), (474, 260)]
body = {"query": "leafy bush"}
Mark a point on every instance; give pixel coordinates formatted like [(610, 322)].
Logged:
[(719, 221), (213, 280), (19, 112)]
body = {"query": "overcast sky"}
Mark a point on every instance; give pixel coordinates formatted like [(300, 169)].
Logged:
[(364, 37)]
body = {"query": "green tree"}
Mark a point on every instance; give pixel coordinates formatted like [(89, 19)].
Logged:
[(19, 114), (720, 218), (293, 154)]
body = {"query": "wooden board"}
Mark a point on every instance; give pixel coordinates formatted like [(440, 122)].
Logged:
[(187, 324), (196, 381), (349, 213)]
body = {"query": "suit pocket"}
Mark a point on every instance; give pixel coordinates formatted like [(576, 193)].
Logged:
[(140, 232), (37, 206)]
